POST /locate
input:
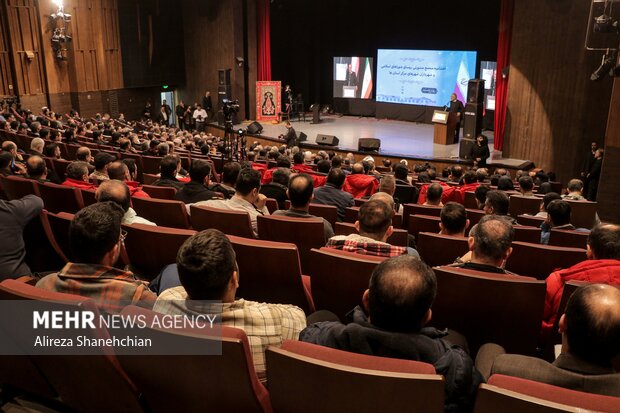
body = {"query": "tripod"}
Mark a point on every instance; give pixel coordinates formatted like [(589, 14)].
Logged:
[(234, 144)]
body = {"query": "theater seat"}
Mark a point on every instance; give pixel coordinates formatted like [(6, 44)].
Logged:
[(271, 273), (159, 192), (339, 279), (415, 209), (88, 383), (437, 249), (195, 383), (538, 261), (229, 222), (566, 238), (149, 179), (423, 223), (150, 248), (163, 212), (490, 308), (305, 233), (530, 221), (520, 205), (470, 200), (307, 378), (527, 234), (88, 197), (56, 228), (59, 198), (583, 213), (151, 164), (16, 187), (474, 216), (512, 394)]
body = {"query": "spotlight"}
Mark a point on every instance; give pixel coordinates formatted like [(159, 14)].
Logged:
[(607, 64), (605, 24), (240, 61)]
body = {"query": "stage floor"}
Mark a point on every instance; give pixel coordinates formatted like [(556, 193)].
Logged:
[(398, 138)]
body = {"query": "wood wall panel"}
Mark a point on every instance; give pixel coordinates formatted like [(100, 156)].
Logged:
[(25, 34), (609, 190), (554, 110), (6, 77)]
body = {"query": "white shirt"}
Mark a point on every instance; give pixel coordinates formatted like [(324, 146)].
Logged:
[(202, 113), (131, 217)]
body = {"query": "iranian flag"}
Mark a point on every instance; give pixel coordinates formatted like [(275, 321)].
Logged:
[(367, 83)]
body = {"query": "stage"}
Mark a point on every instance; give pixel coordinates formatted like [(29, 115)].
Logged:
[(408, 140)]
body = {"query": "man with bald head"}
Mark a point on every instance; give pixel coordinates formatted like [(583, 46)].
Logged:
[(602, 266), (300, 192), (490, 245), (118, 192), (392, 323), (590, 330), (117, 170), (36, 168)]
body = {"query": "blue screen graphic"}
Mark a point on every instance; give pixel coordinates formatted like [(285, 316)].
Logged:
[(423, 77)]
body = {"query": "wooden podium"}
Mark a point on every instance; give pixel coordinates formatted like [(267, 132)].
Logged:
[(445, 125)]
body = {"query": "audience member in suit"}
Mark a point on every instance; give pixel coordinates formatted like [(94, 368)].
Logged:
[(454, 220), (197, 189), (374, 227), (77, 176), (332, 194), (277, 188), (587, 164), (119, 193), (590, 330), (300, 190), (169, 167), (36, 147), (230, 172), (558, 217), (96, 240), (14, 216), (602, 266), (490, 245), (391, 323), (207, 270)]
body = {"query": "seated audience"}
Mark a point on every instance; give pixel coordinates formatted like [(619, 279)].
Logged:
[(590, 330), (299, 191), (208, 271), (83, 154), (602, 266), (197, 189), (526, 186), (374, 227), (392, 323), (119, 193), (246, 198), (332, 194), (558, 217), (36, 147), (169, 167), (490, 245), (119, 171), (453, 220), (575, 191), (547, 199), (96, 239), (497, 203), (77, 176), (36, 169), (433, 195), (504, 183), (481, 195), (278, 186), (358, 183), (230, 172), (14, 216), (102, 160)]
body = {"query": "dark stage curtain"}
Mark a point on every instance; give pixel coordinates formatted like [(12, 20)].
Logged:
[(264, 40), (503, 63)]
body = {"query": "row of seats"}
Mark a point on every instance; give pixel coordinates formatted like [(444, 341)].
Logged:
[(302, 377)]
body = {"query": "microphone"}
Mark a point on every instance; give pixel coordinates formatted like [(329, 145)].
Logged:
[(446, 106)]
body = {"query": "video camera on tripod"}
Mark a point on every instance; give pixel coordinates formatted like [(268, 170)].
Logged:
[(229, 108)]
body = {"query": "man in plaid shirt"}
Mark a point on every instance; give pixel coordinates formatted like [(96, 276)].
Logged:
[(95, 237), (374, 227), (208, 271)]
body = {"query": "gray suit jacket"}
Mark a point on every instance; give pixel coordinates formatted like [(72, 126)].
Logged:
[(566, 371)]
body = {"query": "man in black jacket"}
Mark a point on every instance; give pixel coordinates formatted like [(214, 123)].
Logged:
[(196, 190), (594, 174), (397, 306)]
